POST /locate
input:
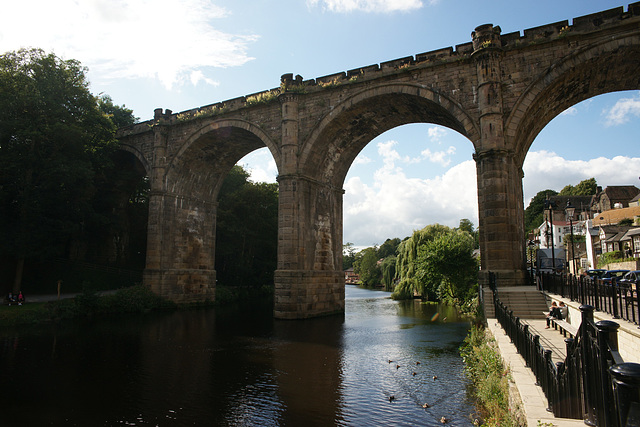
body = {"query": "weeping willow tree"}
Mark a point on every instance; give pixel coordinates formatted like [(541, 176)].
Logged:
[(406, 262), (388, 267), (437, 263)]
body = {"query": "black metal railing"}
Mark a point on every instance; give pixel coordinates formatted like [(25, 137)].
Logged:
[(593, 383), (615, 298)]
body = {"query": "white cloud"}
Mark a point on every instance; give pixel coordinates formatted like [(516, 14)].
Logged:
[(374, 6), (260, 165), (362, 160), (395, 205), (439, 157), (436, 133), (546, 170), (622, 111), (169, 40), (571, 111), (198, 76)]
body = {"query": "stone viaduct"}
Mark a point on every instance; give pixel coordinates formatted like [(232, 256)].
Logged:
[(499, 91)]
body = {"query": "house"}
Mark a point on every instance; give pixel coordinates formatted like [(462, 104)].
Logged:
[(614, 196), (610, 236), (350, 277), (614, 216), (630, 243)]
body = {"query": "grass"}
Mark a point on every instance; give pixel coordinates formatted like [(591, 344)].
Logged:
[(484, 367)]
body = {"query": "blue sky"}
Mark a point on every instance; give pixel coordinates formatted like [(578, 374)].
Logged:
[(181, 54)]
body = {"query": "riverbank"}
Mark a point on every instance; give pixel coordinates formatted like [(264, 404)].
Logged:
[(135, 299), (491, 379)]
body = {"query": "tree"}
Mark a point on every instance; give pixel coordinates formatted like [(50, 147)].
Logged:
[(585, 187), (51, 132), (467, 225), (348, 255), (366, 266), (388, 270), (388, 248), (406, 266), (533, 214), (447, 267), (246, 231)]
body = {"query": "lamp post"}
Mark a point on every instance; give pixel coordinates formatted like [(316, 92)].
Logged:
[(569, 211), (548, 205), (531, 244)]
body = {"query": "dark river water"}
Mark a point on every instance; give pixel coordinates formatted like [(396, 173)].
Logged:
[(241, 367)]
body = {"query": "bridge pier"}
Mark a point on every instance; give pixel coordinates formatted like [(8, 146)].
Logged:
[(181, 248), (500, 196), (309, 281)]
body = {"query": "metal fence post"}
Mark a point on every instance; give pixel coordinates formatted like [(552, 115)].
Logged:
[(587, 363), (548, 379), (607, 340), (625, 379)]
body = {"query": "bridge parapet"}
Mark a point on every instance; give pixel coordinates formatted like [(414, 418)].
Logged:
[(581, 25)]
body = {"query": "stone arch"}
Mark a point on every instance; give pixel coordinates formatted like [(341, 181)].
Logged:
[(138, 155), (608, 66), (337, 139), (207, 155)]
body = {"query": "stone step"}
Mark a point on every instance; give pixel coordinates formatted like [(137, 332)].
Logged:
[(525, 301)]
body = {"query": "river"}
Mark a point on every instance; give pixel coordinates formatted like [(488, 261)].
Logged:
[(376, 365)]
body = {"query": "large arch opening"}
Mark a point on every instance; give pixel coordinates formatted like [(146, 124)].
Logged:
[(369, 114), (407, 178), (590, 139), (204, 196)]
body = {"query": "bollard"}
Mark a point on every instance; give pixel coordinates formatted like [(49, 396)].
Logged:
[(625, 378)]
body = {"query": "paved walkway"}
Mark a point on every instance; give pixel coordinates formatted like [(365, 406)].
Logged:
[(534, 402)]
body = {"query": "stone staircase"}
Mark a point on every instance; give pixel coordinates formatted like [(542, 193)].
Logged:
[(526, 301)]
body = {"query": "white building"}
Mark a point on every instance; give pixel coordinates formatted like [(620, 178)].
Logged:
[(559, 230)]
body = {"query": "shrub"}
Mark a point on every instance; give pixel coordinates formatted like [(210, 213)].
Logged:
[(485, 369), (608, 258)]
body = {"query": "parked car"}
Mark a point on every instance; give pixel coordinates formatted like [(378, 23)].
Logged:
[(632, 278), (596, 273), (610, 274)]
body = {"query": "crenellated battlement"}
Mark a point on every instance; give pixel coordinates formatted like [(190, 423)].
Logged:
[(485, 36)]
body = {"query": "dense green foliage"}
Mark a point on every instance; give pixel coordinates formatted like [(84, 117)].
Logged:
[(586, 187), (366, 266), (388, 248), (56, 147), (247, 231), (388, 270), (437, 263), (484, 367), (348, 255), (534, 213), (609, 257)]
